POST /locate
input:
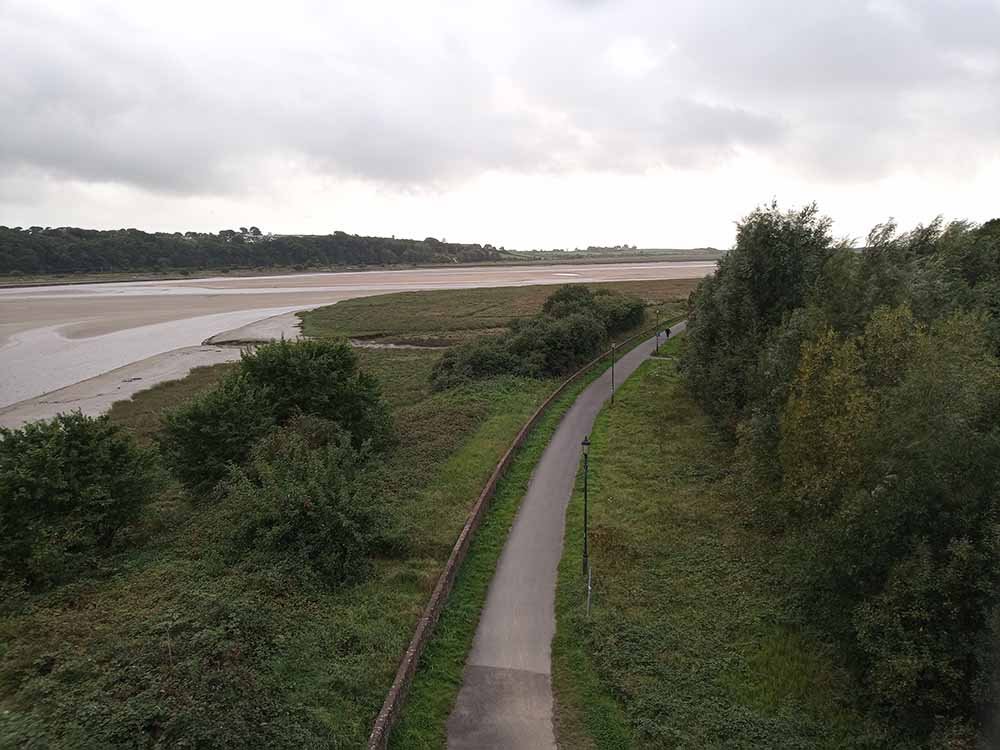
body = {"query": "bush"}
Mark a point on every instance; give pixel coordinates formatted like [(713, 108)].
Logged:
[(573, 326), (320, 378), (618, 312), (484, 357), (67, 488), (274, 383), (201, 440), (555, 346), (299, 501)]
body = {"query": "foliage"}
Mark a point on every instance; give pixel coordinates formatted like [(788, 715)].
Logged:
[(572, 327), (299, 504), (450, 316), (320, 378), (273, 383), (67, 488), (686, 644), (191, 642), (865, 407), (776, 261), (38, 250), (215, 430)]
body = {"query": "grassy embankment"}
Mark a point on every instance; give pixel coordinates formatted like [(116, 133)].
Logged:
[(686, 645), (168, 629)]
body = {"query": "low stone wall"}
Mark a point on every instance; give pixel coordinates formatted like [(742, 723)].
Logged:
[(425, 627)]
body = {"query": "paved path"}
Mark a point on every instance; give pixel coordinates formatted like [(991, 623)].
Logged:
[(506, 698)]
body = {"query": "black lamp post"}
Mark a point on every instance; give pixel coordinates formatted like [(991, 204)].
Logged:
[(657, 330), (613, 345), (586, 472)]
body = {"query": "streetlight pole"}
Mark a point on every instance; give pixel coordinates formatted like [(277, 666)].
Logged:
[(586, 473), (657, 330), (613, 345)]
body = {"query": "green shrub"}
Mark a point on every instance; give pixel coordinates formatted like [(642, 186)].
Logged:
[(274, 383), (67, 487), (202, 439), (484, 357), (569, 299), (300, 502), (571, 329), (618, 312), (320, 378), (549, 347)]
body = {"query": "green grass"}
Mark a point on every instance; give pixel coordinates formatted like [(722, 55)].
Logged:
[(171, 642), (170, 629), (446, 317), (435, 686), (312, 664), (686, 645)]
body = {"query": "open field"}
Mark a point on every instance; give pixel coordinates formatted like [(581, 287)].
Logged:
[(687, 644)]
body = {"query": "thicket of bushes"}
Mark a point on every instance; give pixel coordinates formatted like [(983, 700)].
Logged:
[(282, 442), (574, 324), (862, 391), (274, 383)]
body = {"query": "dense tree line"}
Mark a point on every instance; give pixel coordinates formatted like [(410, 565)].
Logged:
[(38, 250), (574, 324), (861, 389)]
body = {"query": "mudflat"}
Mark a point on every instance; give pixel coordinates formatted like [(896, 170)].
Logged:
[(52, 337)]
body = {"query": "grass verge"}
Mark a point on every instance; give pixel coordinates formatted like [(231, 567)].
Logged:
[(686, 645), (435, 686)]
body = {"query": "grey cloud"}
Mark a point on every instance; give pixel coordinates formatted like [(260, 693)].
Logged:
[(844, 91)]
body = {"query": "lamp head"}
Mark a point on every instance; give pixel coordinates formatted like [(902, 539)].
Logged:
[(586, 445)]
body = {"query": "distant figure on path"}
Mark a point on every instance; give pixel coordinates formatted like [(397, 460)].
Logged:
[(668, 333)]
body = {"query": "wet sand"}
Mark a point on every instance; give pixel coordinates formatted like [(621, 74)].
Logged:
[(75, 339)]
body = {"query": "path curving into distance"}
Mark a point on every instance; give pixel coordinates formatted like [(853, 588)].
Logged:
[(505, 702)]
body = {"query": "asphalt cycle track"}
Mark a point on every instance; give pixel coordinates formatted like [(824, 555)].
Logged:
[(505, 702)]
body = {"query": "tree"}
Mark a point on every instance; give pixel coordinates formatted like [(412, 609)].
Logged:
[(777, 260)]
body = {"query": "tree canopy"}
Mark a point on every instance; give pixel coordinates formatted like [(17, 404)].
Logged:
[(38, 250)]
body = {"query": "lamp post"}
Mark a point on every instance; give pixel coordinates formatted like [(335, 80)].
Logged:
[(657, 330), (586, 472), (613, 345)]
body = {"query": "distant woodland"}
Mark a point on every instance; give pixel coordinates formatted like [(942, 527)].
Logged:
[(39, 250)]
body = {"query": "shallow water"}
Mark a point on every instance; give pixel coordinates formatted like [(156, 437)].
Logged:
[(54, 336)]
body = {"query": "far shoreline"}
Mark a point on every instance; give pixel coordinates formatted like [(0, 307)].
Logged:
[(123, 277)]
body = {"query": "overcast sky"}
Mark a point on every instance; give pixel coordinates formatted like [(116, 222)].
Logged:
[(536, 123)]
